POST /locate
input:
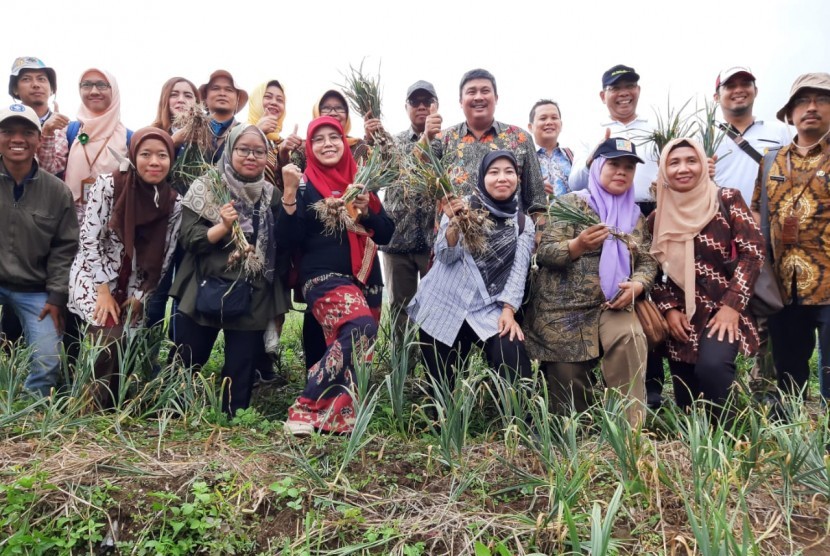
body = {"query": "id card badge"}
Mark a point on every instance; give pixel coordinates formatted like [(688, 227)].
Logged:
[(86, 187), (789, 230)]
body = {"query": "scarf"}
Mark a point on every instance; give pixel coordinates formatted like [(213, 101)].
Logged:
[(347, 126), (141, 211), (332, 181), (496, 262), (256, 111), (105, 132), (245, 194), (679, 218), (618, 212)]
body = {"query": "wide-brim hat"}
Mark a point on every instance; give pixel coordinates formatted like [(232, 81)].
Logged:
[(819, 81), (241, 93)]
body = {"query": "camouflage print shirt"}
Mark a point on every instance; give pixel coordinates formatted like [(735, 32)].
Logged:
[(462, 154), (413, 213)]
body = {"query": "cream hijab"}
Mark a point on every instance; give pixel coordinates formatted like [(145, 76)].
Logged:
[(105, 131), (679, 218)]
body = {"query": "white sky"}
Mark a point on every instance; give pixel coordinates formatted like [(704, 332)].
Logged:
[(547, 49)]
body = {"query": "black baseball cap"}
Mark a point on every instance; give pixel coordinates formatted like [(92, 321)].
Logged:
[(617, 73), (617, 147)]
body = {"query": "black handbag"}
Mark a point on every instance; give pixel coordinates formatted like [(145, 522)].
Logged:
[(222, 298)]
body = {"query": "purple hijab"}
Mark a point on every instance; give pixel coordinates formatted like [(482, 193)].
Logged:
[(619, 212)]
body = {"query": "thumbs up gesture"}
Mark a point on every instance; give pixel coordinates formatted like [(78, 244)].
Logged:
[(56, 121), (432, 126), (291, 144)]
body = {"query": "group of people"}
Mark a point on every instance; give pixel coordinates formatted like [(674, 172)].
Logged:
[(110, 224)]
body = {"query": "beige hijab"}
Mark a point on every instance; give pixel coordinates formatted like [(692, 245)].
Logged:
[(679, 218)]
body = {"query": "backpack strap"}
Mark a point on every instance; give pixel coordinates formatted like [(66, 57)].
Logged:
[(522, 218), (569, 154), (742, 143), (72, 131), (769, 158)]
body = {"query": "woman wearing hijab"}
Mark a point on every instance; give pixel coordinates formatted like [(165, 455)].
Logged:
[(266, 110), (177, 95), (126, 243), (581, 306), (95, 135), (339, 274), (699, 227), (471, 299), (211, 253)]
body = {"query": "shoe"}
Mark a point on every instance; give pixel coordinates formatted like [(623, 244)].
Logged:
[(298, 428), (267, 376)]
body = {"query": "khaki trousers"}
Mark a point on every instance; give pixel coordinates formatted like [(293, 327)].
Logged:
[(624, 350), (401, 274)]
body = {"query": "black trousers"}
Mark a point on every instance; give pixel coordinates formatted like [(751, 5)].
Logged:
[(793, 335), (194, 343), (314, 341), (501, 353), (710, 377)]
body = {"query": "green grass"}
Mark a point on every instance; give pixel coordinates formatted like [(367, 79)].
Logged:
[(498, 473)]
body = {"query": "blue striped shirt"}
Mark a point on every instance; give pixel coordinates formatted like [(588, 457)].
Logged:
[(454, 291)]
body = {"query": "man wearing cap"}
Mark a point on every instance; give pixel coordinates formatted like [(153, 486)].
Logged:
[(620, 94), (545, 124), (738, 157), (33, 83), (223, 100), (39, 232), (747, 138), (465, 144), (406, 256), (795, 216)]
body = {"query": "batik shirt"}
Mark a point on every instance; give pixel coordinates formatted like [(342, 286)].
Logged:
[(413, 213), (800, 186), (556, 167), (461, 153)]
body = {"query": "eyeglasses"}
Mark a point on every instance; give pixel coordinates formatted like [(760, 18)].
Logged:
[(820, 100), (334, 139), (245, 152), (422, 101), (332, 110), (89, 85), (629, 86)]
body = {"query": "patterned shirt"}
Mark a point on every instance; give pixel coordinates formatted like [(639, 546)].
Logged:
[(800, 186), (462, 154), (100, 254), (52, 153), (713, 286), (414, 215), (556, 167)]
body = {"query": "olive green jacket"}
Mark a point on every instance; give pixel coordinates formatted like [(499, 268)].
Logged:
[(268, 300), (562, 322)]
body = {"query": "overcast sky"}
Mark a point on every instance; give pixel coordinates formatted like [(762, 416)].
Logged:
[(547, 49)]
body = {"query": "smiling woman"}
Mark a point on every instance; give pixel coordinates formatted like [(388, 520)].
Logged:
[(128, 236), (96, 135)]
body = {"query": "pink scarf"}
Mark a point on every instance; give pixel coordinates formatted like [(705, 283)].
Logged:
[(99, 128)]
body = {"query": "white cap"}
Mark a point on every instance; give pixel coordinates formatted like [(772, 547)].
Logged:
[(20, 111)]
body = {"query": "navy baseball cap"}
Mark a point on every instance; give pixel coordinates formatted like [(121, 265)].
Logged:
[(618, 73), (617, 147)]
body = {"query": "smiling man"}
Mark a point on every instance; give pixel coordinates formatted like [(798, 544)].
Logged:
[(33, 83), (741, 150), (465, 144), (39, 232), (545, 123), (798, 213), (620, 94), (223, 100)]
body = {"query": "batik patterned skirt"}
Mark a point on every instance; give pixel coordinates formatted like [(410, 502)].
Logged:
[(350, 326)]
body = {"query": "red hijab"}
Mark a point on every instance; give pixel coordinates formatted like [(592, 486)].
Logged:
[(332, 181)]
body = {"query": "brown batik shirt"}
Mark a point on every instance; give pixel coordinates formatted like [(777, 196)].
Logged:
[(800, 186)]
